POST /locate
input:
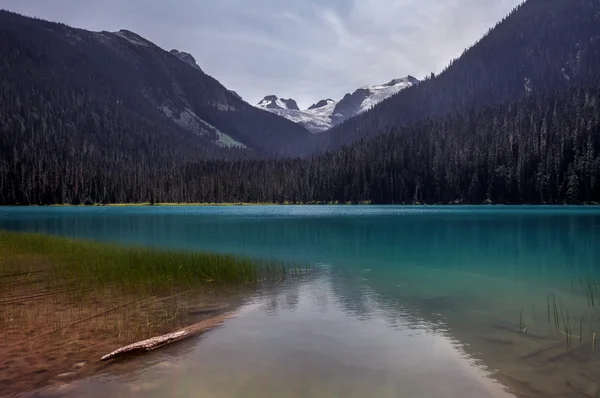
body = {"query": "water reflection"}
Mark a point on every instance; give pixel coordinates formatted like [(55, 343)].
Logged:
[(322, 345)]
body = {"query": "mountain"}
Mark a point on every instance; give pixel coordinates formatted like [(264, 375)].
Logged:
[(315, 119), (120, 93), (543, 45), (325, 114)]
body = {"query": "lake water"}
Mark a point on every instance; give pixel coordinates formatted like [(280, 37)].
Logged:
[(403, 301)]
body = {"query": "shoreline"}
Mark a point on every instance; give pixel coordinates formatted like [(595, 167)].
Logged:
[(252, 204)]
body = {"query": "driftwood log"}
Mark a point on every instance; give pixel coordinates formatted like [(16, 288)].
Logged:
[(160, 341)]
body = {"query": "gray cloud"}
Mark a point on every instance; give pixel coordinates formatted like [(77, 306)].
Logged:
[(304, 49)]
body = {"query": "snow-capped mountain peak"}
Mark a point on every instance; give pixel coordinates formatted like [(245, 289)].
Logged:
[(327, 113), (274, 102), (315, 119)]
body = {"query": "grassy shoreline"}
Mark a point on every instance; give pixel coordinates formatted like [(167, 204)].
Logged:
[(65, 302)]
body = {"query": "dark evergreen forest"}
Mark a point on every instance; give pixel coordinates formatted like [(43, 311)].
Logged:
[(539, 149)]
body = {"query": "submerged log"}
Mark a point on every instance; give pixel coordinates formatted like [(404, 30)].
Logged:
[(160, 341)]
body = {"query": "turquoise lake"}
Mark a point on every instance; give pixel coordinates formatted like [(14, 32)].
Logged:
[(403, 301)]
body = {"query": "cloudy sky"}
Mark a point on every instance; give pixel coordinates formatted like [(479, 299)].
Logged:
[(304, 49)]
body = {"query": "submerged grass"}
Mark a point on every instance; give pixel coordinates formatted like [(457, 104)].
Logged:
[(562, 321), (78, 264), (64, 300)]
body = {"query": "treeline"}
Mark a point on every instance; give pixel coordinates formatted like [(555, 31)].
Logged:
[(539, 149)]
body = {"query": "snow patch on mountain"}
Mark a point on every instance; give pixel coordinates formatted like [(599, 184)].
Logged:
[(322, 114), (313, 122)]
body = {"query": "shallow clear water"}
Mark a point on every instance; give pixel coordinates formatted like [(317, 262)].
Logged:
[(404, 301)]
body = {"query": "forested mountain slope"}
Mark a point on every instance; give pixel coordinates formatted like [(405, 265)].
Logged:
[(123, 96), (544, 148), (540, 46)]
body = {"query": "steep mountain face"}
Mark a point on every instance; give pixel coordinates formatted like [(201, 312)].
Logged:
[(543, 45), (327, 113), (84, 86)]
